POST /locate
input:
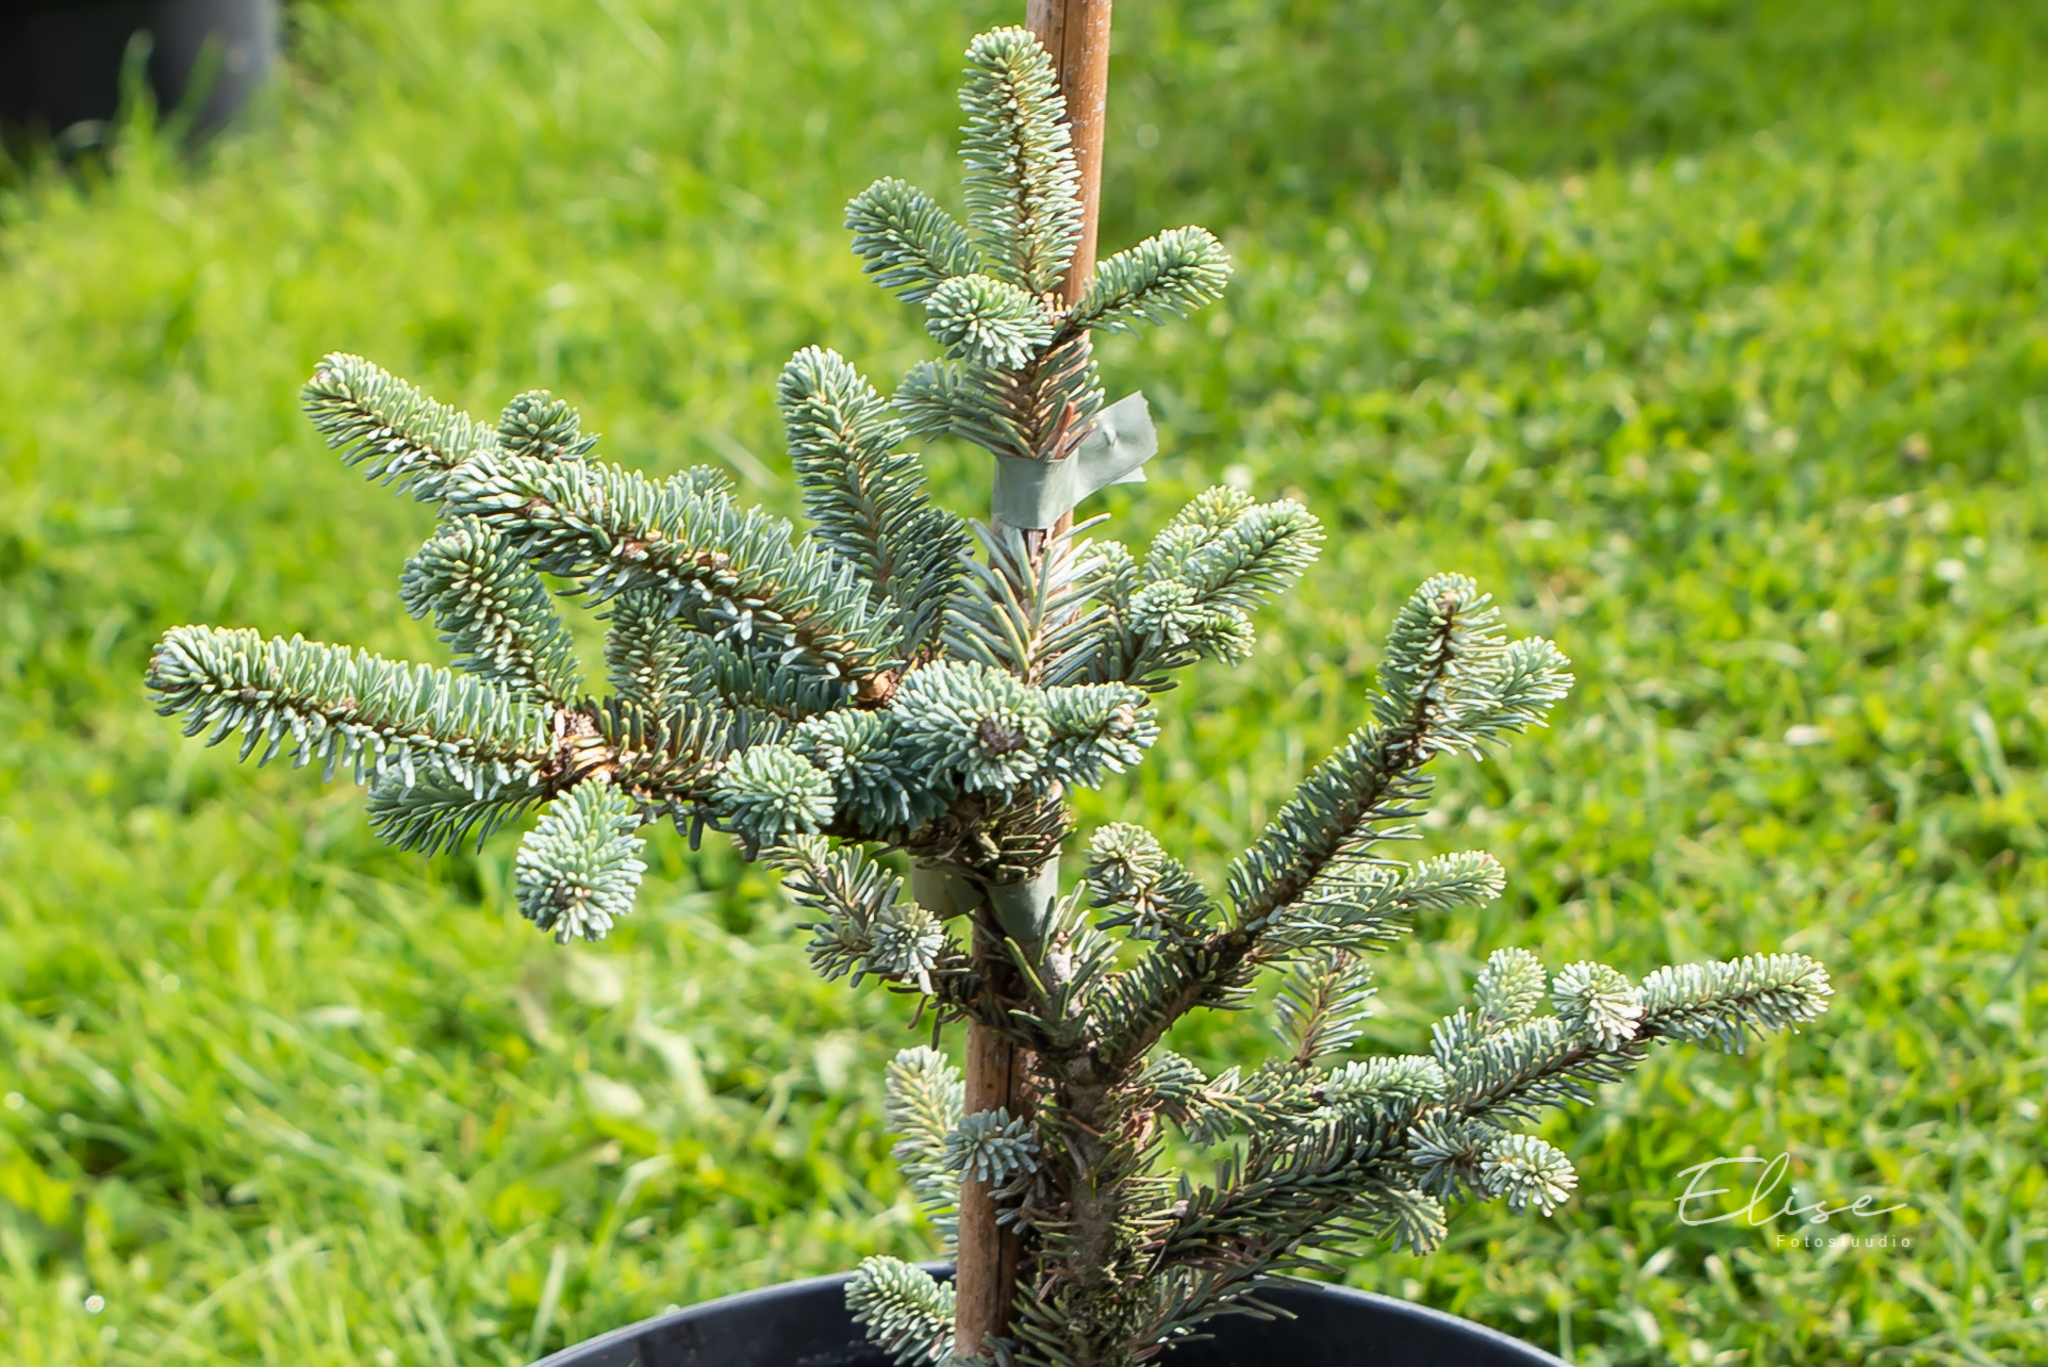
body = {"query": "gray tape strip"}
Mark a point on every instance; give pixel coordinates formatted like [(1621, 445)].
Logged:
[(1023, 910), (1038, 493), (942, 892)]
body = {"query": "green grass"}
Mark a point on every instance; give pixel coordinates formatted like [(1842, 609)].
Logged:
[(1709, 334)]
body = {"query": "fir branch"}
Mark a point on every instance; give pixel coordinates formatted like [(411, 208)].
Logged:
[(1447, 1151), (1133, 1008), (1352, 906), (1445, 657), (769, 793), (1053, 400), (731, 573), (986, 322), (1441, 688), (1363, 903), (647, 652), (1274, 1100), (1598, 1002), (1029, 610), (436, 813), (1186, 972), (1022, 189), (906, 241), (879, 796), (1385, 1089), (905, 1312), (1323, 1005), (1715, 1003), (1163, 277), (1531, 675), (1195, 964), (1172, 627), (869, 503), (1151, 893), (493, 611), (865, 927), (991, 1147), (936, 399), (1310, 883), (1039, 411), (579, 867), (1234, 552), (671, 758), (1276, 1208), (923, 1105), (1509, 989), (1029, 387), (377, 420), (907, 944), (1205, 573), (1171, 1085), (1456, 1154), (347, 707), (1528, 1171), (972, 726), (539, 425), (1096, 728), (1606, 1026), (1514, 1072), (750, 680)]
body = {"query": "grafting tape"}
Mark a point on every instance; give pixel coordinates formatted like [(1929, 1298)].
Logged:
[(1038, 493), (1023, 910)]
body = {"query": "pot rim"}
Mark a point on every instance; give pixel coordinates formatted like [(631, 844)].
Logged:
[(1389, 1306)]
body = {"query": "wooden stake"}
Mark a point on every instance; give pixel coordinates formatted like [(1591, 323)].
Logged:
[(990, 1255), (1076, 33)]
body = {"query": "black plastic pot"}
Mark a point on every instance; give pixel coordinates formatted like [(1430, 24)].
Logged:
[(60, 60), (805, 1324)]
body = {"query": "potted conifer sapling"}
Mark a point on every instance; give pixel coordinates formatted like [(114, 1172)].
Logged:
[(897, 686)]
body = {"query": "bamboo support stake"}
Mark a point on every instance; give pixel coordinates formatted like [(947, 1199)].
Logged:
[(1076, 33), (990, 1257)]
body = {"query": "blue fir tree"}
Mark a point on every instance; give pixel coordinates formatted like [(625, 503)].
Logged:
[(897, 679)]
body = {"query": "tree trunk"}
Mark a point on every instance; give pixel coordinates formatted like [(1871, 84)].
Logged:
[(990, 1258)]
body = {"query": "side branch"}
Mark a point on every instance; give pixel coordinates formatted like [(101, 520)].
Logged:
[(866, 928), (730, 572), (1448, 682), (345, 706), (376, 419)]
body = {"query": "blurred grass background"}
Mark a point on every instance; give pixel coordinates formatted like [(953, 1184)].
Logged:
[(1709, 333)]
